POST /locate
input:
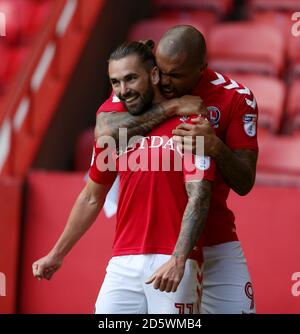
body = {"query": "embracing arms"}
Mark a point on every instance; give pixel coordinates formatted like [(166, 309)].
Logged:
[(109, 123), (237, 167)]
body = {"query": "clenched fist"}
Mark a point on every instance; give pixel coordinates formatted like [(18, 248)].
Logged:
[(46, 267)]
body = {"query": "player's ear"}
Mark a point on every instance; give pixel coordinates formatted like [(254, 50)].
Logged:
[(155, 75)]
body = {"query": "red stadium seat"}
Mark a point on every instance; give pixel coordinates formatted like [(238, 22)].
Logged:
[(83, 150), (38, 12), (270, 94), (17, 59), (3, 64), (281, 5), (154, 29), (279, 158), (23, 18), (292, 119), (281, 20), (260, 48), (220, 6), (13, 11), (12, 59), (294, 56), (205, 18)]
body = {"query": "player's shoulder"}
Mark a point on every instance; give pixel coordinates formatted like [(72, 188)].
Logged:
[(226, 85), (113, 103), (228, 88)]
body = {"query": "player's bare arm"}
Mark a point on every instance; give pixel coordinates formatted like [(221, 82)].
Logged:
[(108, 124), (238, 167), (84, 212), (168, 276)]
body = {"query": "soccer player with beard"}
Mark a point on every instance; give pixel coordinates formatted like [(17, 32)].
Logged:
[(161, 212)]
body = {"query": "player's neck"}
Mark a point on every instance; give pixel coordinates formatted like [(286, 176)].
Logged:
[(158, 97)]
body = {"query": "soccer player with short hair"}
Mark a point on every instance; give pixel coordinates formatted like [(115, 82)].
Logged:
[(161, 212)]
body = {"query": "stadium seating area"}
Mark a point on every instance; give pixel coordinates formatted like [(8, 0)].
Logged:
[(20, 34), (40, 48), (265, 59)]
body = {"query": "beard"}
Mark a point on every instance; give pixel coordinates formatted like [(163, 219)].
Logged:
[(140, 104)]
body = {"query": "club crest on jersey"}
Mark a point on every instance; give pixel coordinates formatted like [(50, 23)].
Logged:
[(250, 124), (115, 99), (202, 162), (214, 116)]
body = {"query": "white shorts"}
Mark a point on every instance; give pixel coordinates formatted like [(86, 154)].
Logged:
[(227, 286), (124, 290)]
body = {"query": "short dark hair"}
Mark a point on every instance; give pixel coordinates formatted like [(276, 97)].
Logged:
[(142, 49)]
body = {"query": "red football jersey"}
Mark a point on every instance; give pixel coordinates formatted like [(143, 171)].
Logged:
[(233, 114), (152, 195)]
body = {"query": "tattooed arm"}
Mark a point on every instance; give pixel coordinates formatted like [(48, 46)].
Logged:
[(109, 123), (169, 275), (237, 167), (194, 217)]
